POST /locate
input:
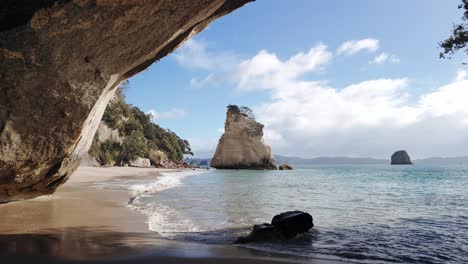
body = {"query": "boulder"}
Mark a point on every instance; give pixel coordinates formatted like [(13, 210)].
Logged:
[(292, 223), (140, 162), (61, 62), (283, 227), (285, 167), (401, 157), (262, 232), (241, 146)]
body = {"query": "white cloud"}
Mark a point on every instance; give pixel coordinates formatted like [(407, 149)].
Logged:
[(171, 114), (352, 47), (266, 69), (385, 57), (461, 75)]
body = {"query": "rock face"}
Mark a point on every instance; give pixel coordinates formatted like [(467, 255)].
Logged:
[(401, 157), (285, 167), (284, 226), (140, 162), (104, 133), (241, 146), (61, 62)]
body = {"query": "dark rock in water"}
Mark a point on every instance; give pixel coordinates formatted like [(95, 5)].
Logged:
[(285, 167), (263, 232), (283, 227), (401, 157), (292, 223)]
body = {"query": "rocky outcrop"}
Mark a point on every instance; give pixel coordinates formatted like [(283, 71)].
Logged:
[(89, 161), (104, 133), (140, 162), (401, 157), (241, 146), (285, 167), (61, 62), (284, 226)]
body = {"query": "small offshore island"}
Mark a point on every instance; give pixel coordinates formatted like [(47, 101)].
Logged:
[(401, 157)]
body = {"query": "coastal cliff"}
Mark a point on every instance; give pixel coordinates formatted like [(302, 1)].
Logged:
[(62, 61), (242, 146), (128, 136)]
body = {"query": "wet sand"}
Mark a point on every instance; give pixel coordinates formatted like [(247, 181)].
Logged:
[(81, 223)]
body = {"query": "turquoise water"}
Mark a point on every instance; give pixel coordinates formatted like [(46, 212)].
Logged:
[(365, 214)]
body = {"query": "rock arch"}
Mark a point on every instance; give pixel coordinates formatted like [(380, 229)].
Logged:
[(61, 61)]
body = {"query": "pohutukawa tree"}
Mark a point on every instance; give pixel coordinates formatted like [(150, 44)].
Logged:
[(459, 38)]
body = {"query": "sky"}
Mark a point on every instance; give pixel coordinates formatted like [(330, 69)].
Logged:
[(357, 78)]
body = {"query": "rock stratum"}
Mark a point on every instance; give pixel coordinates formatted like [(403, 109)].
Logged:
[(401, 157), (62, 62), (242, 146)]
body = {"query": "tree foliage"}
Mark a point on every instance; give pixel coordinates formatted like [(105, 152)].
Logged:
[(459, 38), (242, 110), (141, 137)]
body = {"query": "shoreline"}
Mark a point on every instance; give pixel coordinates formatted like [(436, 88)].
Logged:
[(86, 223)]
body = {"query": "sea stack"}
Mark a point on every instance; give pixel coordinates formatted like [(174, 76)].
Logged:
[(242, 146), (401, 157)]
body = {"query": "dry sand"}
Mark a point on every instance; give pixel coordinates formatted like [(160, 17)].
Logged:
[(83, 223)]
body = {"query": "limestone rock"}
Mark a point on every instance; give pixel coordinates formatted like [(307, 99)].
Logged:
[(140, 162), (104, 133), (242, 146), (89, 161), (285, 167), (401, 157), (61, 62)]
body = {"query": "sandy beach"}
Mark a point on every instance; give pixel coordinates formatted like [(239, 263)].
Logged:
[(81, 222)]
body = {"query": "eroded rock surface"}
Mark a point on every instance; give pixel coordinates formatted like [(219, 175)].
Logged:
[(61, 62), (401, 157), (242, 146)]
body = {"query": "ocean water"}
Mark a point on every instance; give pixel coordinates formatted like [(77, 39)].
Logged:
[(362, 214)]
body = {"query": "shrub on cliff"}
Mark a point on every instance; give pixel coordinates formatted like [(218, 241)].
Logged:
[(141, 137), (242, 110), (134, 145), (110, 152)]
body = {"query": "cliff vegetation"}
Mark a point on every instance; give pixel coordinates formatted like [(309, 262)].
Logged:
[(139, 136)]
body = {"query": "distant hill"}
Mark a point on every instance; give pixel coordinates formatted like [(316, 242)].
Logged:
[(328, 160), (443, 161)]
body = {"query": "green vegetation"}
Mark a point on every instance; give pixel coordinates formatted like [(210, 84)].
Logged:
[(459, 38), (140, 136), (242, 110)]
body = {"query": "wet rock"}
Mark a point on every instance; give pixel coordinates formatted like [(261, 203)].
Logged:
[(283, 227), (292, 223), (285, 167), (61, 62), (401, 157)]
